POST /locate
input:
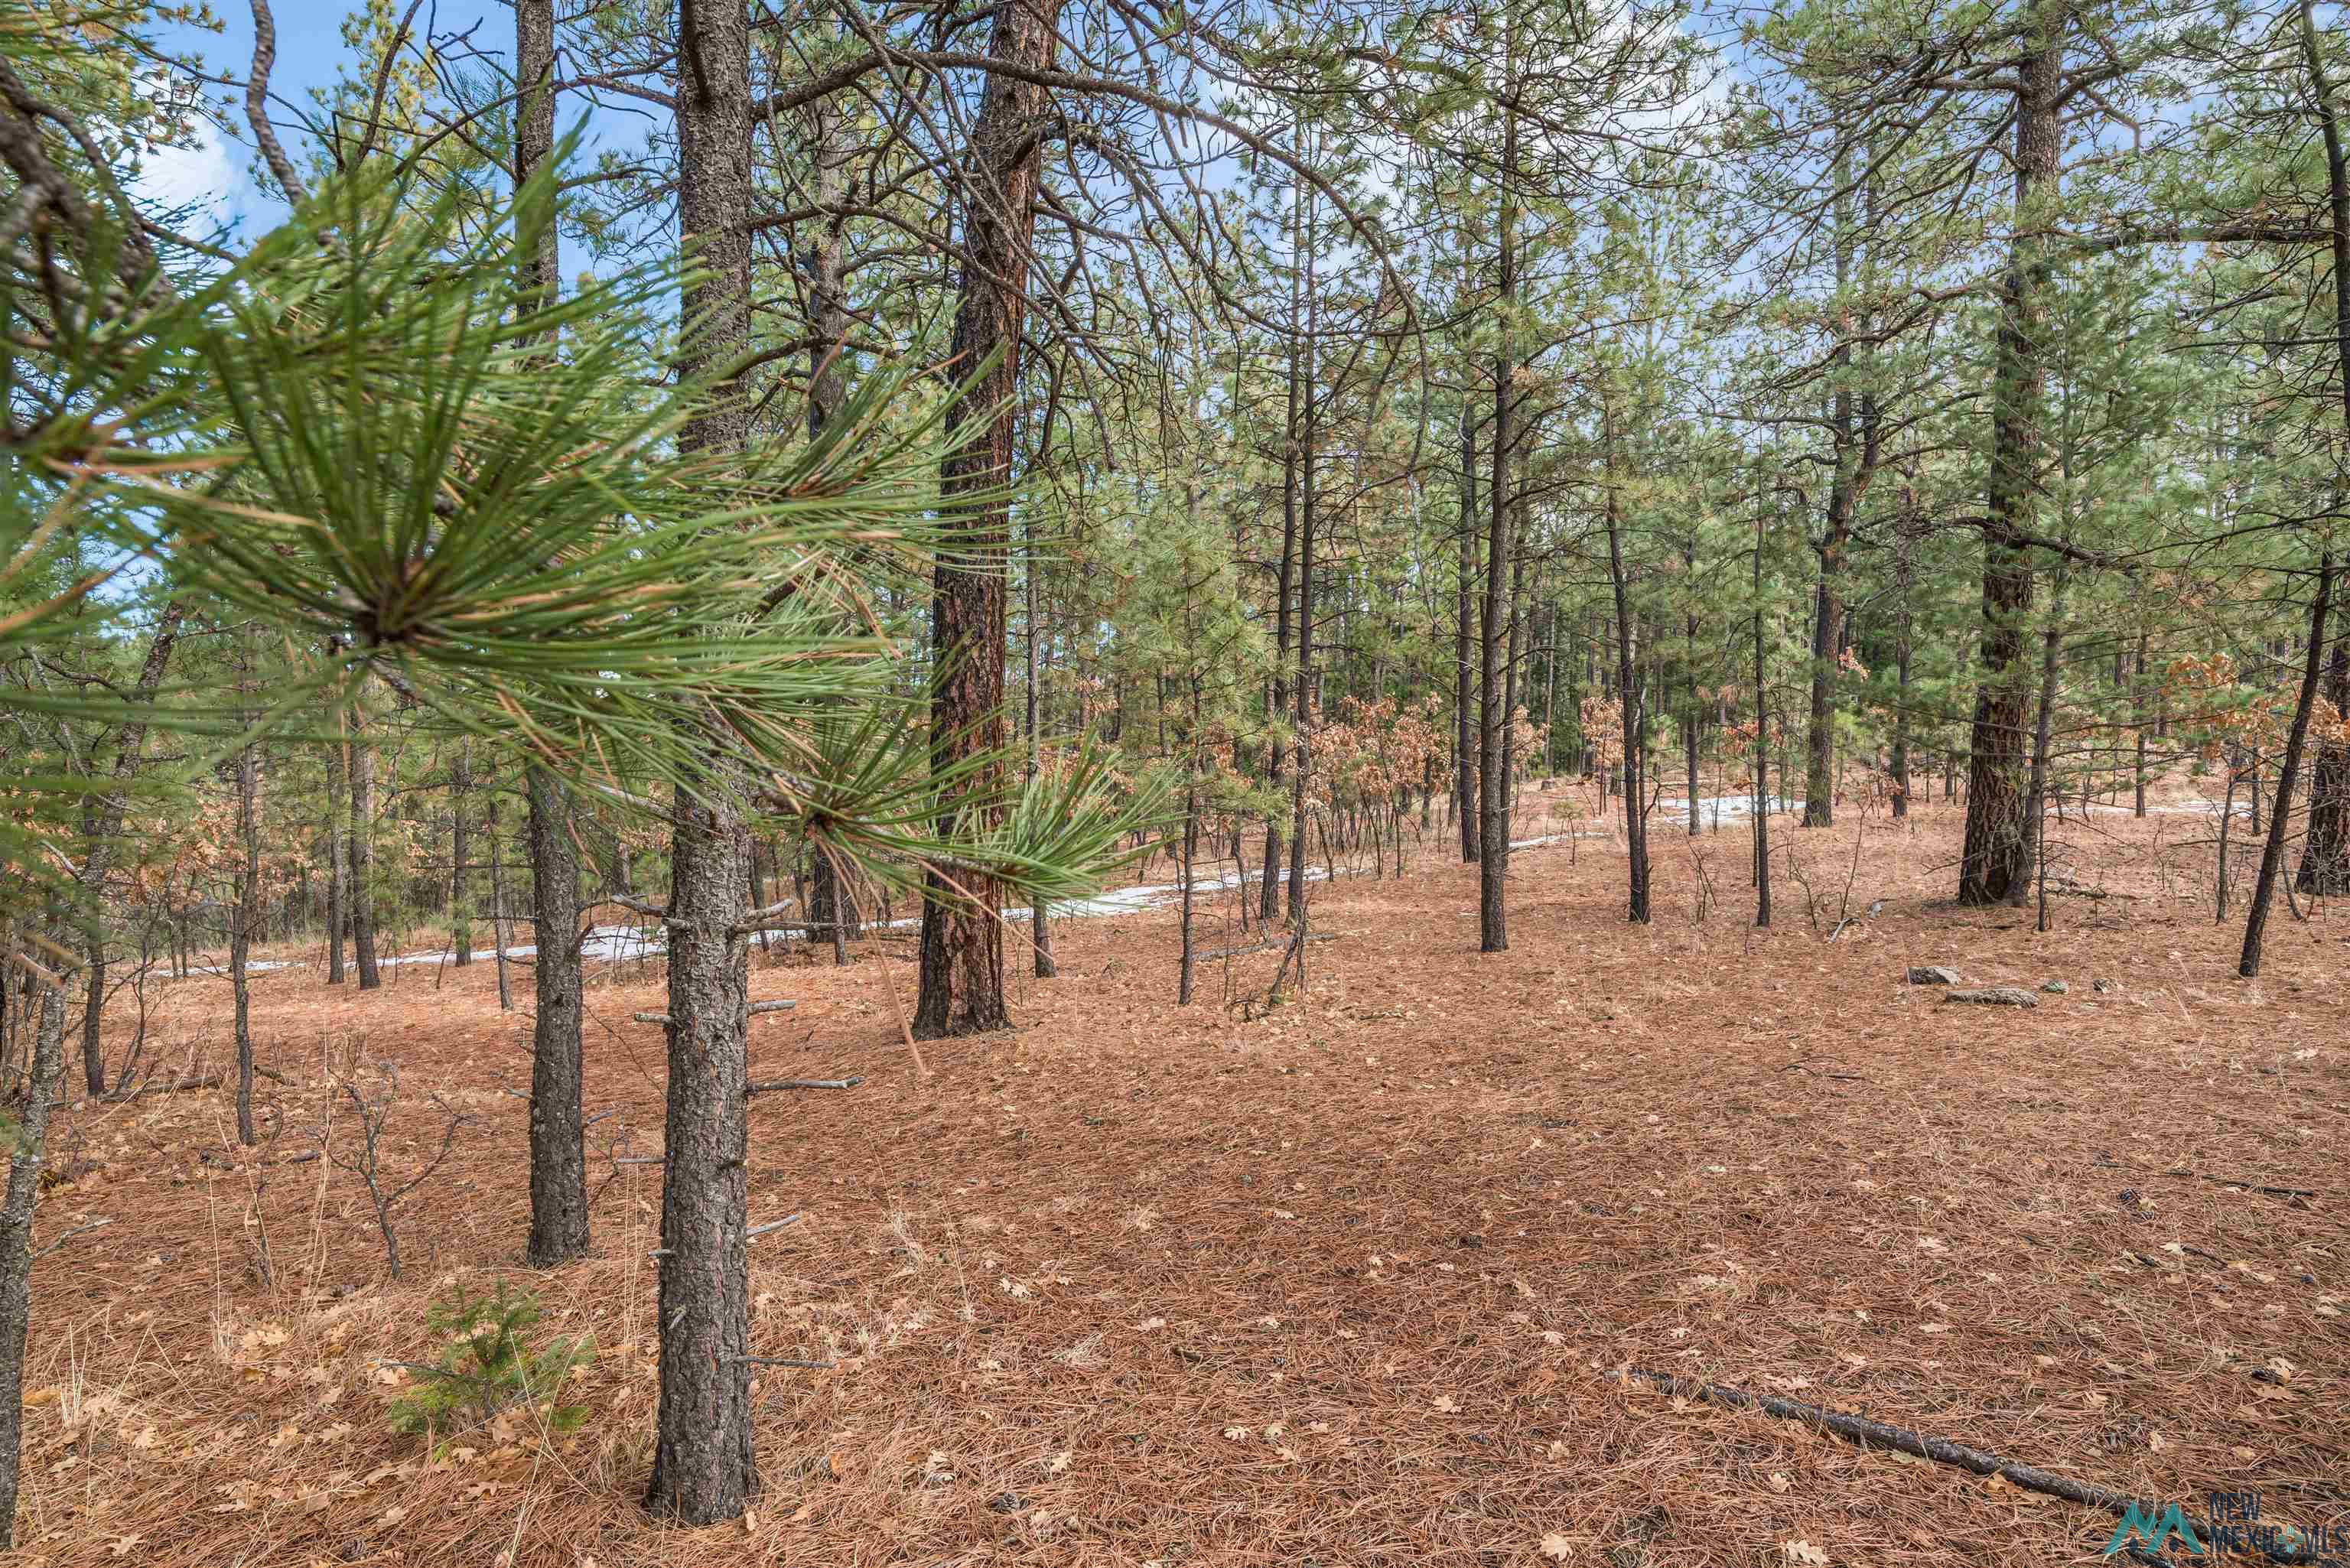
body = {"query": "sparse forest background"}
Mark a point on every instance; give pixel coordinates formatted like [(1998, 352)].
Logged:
[(709, 486)]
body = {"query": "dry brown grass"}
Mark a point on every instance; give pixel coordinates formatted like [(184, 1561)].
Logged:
[(1141, 1284)]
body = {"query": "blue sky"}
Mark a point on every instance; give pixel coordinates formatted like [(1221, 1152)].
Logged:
[(310, 51)]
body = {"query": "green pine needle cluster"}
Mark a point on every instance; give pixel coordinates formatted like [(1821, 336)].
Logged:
[(490, 1365)]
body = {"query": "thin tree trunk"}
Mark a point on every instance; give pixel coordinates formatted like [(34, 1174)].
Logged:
[(1464, 790), (559, 1164), (1635, 794), (1039, 932), (2138, 723), (1761, 745), (240, 948), (499, 928), (337, 855), (2281, 810), (1493, 803), (1183, 978), (1905, 587), (2036, 816), (703, 1467), (1285, 590), (461, 913), (1302, 768), (362, 887), (45, 1080)]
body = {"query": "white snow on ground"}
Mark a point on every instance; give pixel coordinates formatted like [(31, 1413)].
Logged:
[(618, 944), (2196, 808), (1722, 807)]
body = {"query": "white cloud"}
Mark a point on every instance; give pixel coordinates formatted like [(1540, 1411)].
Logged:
[(206, 177)]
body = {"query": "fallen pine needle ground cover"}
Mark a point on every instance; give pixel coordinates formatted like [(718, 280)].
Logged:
[(1350, 1283)]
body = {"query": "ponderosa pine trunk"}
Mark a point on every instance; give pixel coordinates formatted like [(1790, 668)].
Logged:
[(45, 1081), (1854, 456), (829, 906), (559, 1159), (361, 892), (337, 855), (703, 1467), (1905, 588), (1995, 859), (1761, 813), (1308, 452), (1284, 624), (1464, 686), (2280, 809), (2036, 816), (1635, 794), (2325, 851), (248, 914), (2326, 854), (961, 984), (1493, 774), (460, 913), (1040, 930)]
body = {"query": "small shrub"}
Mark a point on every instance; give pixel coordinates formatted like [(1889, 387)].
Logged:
[(490, 1367)]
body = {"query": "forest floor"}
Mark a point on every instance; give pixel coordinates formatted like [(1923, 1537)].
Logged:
[(1141, 1284)]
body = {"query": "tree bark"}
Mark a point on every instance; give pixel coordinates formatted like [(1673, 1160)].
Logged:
[(1285, 590), (1493, 803), (2035, 825), (2325, 851), (499, 927), (1040, 932), (337, 855), (1905, 588), (45, 1080), (559, 1165), (1464, 688), (703, 1467), (1302, 766), (2326, 854), (461, 914), (362, 887), (1761, 813), (1994, 858), (961, 986), (2280, 809), (1635, 794), (240, 947)]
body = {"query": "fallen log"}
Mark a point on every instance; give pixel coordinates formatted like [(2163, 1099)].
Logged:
[(1865, 1433)]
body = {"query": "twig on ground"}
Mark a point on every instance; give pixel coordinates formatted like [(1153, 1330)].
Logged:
[(774, 1084), (2246, 1186), (1263, 946), (1867, 1433), (171, 1088)]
